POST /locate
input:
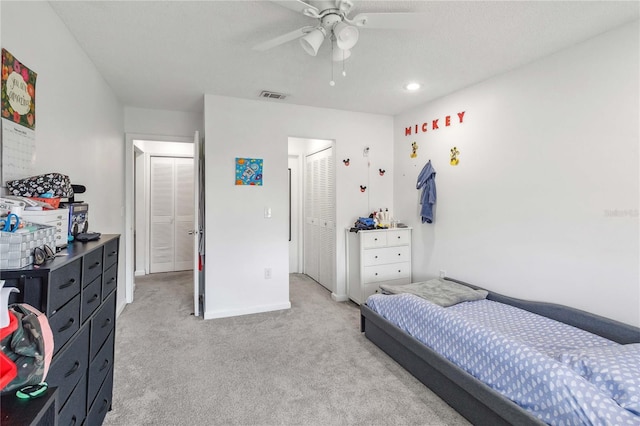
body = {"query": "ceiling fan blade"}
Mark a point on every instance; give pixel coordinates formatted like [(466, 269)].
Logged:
[(391, 21), (284, 38), (299, 6)]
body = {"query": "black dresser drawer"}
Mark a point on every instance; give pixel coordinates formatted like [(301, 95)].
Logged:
[(102, 403), (64, 283), (110, 253), (109, 280), (69, 366), (99, 368), (102, 324), (91, 298), (92, 266), (65, 323), (73, 412)]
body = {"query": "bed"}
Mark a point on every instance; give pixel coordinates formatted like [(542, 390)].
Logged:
[(482, 400)]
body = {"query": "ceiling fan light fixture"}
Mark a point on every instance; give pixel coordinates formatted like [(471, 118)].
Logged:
[(340, 54), (346, 35), (312, 41)]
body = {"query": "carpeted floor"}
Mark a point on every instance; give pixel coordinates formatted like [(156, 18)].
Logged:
[(308, 365)]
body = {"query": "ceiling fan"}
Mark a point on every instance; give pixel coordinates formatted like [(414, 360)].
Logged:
[(334, 23)]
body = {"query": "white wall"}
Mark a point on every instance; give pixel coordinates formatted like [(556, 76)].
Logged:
[(162, 122), (544, 202), (240, 241), (79, 121)]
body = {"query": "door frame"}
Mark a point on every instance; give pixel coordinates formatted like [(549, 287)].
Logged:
[(129, 204)]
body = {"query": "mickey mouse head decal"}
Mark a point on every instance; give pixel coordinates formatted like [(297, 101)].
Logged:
[(363, 188), (382, 172), (346, 162)]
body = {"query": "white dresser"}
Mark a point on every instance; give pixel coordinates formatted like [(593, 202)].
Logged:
[(58, 218), (381, 256)]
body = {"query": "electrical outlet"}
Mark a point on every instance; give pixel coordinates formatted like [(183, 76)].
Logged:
[(267, 273), (443, 273)]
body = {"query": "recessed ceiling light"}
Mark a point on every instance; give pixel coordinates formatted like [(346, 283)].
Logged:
[(412, 87)]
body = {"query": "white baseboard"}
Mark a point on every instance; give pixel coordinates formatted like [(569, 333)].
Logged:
[(246, 311), (339, 297), (139, 273)]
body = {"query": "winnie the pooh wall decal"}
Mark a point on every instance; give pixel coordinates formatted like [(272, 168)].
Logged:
[(363, 188), (346, 162), (382, 172), (454, 156), (414, 150)]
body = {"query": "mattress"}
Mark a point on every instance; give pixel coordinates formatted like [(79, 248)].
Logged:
[(517, 353)]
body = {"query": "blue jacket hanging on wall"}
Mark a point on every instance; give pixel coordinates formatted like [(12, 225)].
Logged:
[(427, 182)]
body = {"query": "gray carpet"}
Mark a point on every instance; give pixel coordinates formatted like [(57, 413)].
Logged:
[(303, 366)]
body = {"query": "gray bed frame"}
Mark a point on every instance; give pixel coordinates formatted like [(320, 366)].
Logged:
[(477, 402)]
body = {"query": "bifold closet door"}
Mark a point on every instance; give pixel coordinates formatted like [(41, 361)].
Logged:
[(171, 214), (319, 226)]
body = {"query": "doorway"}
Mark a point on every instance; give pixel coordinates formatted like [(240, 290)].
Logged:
[(163, 177), (312, 244)]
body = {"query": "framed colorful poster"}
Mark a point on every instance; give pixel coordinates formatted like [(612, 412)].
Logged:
[(18, 92), (249, 171)]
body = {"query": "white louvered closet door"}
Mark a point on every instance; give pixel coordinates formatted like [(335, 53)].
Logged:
[(171, 214), (319, 238)]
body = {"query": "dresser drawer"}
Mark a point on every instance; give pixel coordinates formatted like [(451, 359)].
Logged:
[(99, 368), (92, 266), (91, 298), (65, 323), (102, 324), (64, 283), (110, 253), (374, 274), (381, 256), (399, 237), (69, 366), (102, 403), (374, 239), (73, 412), (109, 280)]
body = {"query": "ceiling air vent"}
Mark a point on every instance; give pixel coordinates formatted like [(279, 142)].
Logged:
[(272, 95)]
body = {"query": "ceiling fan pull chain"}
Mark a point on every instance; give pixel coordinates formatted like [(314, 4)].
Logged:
[(332, 82)]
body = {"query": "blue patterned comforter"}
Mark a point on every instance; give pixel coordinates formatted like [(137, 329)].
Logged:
[(517, 353)]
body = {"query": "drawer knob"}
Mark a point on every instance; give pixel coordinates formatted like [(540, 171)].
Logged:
[(67, 284), (398, 254), (376, 257), (105, 364), (376, 273), (74, 419), (399, 270), (106, 322), (375, 239), (75, 367), (398, 236), (67, 325), (112, 253), (93, 299), (94, 265)]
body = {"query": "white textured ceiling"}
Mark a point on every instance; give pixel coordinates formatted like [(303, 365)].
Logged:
[(167, 54)]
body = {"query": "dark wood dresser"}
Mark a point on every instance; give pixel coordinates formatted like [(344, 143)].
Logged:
[(77, 292)]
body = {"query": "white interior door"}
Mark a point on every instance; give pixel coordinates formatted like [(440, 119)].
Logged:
[(319, 226), (162, 206), (171, 214), (198, 225)]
